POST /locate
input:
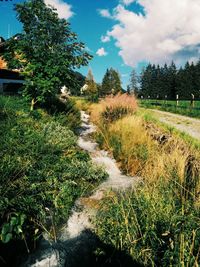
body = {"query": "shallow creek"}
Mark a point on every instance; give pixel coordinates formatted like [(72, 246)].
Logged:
[(76, 239)]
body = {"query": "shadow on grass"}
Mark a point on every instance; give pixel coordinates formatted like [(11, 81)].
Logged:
[(86, 250)]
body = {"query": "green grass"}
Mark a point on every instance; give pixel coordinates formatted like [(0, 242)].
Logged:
[(42, 171), (183, 108), (151, 225)]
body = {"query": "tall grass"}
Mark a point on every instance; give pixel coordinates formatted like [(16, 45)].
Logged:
[(113, 107), (158, 222)]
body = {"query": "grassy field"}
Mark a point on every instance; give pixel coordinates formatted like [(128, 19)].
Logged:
[(183, 108), (158, 222)]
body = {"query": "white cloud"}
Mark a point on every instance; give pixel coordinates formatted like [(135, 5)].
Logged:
[(168, 28), (105, 39), (105, 13), (127, 2), (101, 52), (63, 9)]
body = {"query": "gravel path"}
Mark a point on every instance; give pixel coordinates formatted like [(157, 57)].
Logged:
[(185, 124)]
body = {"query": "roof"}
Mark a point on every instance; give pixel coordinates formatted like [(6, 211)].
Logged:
[(9, 74), (2, 40), (2, 44)]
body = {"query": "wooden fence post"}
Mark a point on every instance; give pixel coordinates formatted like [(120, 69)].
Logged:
[(192, 101), (177, 103), (165, 99)]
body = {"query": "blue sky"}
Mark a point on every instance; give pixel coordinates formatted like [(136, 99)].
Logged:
[(89, 25), (125, 34)]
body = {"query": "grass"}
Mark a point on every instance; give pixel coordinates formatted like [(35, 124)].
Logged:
[(112, 108), (158, 222), (42, 172), (81, 103), (183, 108)]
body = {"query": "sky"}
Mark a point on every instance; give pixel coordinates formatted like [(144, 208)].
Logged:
[(125, 34)]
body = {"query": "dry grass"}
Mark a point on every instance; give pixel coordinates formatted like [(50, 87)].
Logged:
[(113, 107), (139, 154)]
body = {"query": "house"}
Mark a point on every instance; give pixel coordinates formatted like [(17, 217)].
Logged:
[(3, 64), (10, 81)]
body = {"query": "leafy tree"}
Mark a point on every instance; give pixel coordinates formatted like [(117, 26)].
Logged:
[(46, 51), (111, 83)]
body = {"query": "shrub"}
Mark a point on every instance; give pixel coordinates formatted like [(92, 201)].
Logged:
[(66, 111)]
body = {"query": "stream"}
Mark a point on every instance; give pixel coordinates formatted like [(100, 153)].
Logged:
[(77, 240)]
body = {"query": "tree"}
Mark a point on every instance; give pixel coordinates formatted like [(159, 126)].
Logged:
[(133, 86), (91, 85), (105, 88), (78, 84), (146, 81), (46, 51), (111, 83)]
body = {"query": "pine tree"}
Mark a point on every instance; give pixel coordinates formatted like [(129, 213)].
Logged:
[(133, 82), (115, 81), (105, 88), (146, 82), (172, 73), (111, 83), (92, 87)]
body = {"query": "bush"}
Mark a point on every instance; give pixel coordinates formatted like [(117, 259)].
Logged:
[(66, 111)]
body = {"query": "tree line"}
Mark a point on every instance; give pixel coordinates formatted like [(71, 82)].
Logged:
[(168, 81), (155, 82)]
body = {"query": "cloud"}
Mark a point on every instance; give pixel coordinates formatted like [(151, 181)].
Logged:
[(101, 52), (63, 9), (127, 2), (105, 13), (105, 39), (167, 29)]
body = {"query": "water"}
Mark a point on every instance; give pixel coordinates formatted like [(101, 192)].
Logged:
[(79, 227)]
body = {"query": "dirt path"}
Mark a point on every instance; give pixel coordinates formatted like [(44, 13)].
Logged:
[(185, 124)]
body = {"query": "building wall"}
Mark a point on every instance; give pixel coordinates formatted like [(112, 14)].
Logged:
[(1, 88)]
